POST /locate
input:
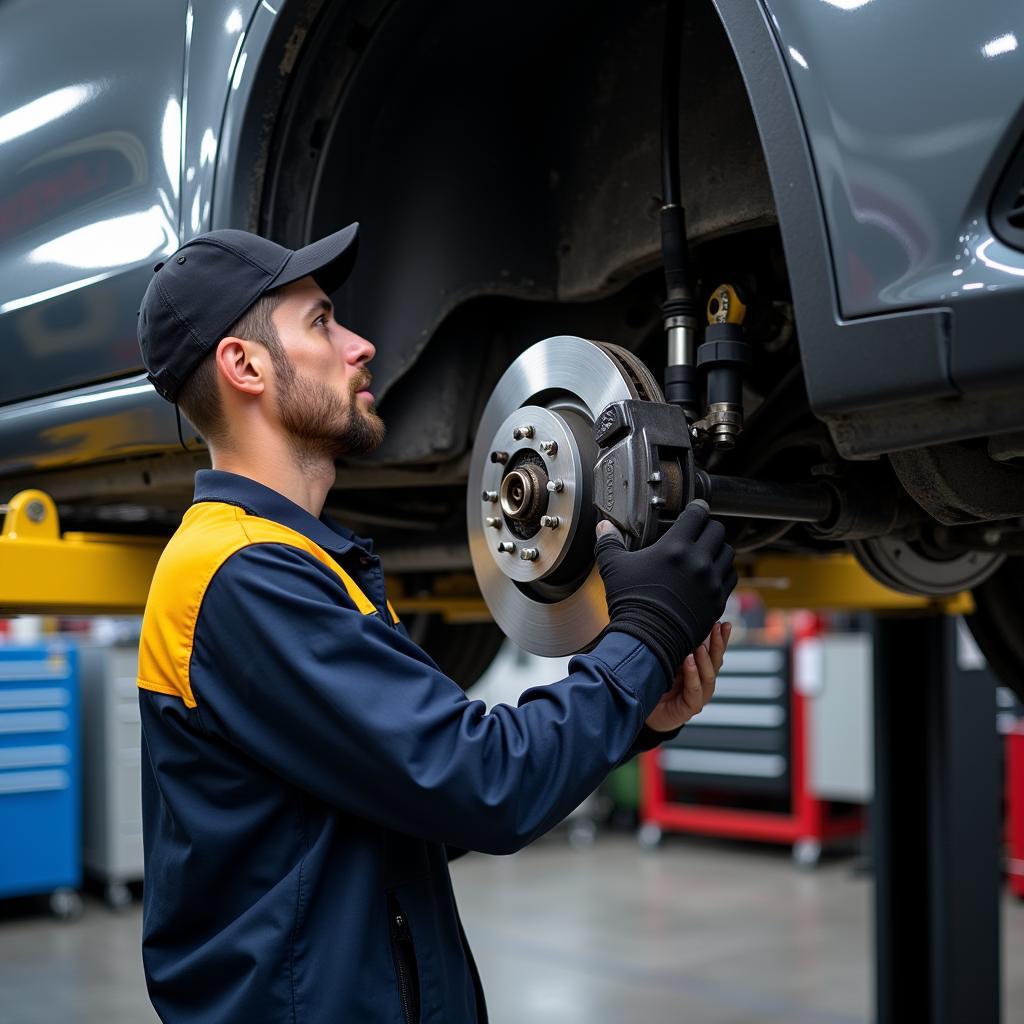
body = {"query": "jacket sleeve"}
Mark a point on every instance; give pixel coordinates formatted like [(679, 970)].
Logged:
[(349, 709), (648, 739)]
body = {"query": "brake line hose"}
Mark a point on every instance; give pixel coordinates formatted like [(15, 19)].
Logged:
[(680, 308)]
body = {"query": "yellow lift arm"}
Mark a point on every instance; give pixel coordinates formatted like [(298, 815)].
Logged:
[(45, 572)]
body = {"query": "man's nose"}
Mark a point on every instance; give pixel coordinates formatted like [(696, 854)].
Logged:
[(357, 349)]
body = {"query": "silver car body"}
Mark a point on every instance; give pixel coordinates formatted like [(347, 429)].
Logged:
[(885, 125)]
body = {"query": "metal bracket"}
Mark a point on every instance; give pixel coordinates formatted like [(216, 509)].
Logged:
[(837, 583), (43, 572)]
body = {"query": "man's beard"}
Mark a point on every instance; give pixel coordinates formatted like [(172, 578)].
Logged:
[(319, 424)]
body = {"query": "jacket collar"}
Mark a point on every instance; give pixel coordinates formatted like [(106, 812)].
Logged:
[(262, 501)]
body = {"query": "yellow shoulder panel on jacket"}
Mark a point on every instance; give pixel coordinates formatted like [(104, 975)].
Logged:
[(209, 534), (266, 531)]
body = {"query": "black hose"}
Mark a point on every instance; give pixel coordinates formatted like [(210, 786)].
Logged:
[(670, 104), (675, 253), (680, 308)]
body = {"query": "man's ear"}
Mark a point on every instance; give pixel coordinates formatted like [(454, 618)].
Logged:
[(242, 365)]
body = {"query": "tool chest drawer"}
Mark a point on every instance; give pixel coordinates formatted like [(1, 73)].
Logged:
[(40, 817), (741, 740)]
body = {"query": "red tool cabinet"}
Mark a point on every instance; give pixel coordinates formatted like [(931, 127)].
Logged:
[(797, 816), (1015, 809)]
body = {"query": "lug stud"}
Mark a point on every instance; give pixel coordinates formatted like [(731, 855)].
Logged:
[(499, 457), (489, 496), (552, 522), (506, 547), (549, 447), (529, 554), (494, 521), (520, 432), (556, 486), (655, 477), (657, 502)]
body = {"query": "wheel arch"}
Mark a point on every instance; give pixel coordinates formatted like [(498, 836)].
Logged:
[(511, 155), (515, 154)]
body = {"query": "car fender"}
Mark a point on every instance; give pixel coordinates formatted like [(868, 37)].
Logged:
[(895, 353)]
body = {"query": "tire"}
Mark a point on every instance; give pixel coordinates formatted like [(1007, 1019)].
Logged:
[(998, 623), (462, 651)]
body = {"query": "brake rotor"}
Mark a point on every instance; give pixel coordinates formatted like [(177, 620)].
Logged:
[(530, 512)]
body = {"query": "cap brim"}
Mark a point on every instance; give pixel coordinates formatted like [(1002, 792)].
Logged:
[(328, 261)]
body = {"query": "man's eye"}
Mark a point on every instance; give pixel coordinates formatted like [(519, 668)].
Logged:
[(321, 319)]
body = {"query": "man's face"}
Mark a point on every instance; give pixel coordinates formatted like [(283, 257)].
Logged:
[(322, 392)]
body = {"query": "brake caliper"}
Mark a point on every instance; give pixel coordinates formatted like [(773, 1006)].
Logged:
[(644, 474)]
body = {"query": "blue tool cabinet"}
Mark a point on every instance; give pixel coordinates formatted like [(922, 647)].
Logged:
[(40, 780)]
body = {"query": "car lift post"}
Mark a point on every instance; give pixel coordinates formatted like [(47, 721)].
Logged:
[(936, 829), (936, 810)]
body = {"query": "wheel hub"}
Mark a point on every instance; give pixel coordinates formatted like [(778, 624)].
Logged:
[(530, 507)]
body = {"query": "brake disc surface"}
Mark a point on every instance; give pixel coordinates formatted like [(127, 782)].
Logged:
[(529, 505)]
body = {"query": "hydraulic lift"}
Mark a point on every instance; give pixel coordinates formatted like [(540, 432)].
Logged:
[(936, 810)]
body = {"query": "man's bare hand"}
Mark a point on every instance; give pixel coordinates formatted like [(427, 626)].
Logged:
[(694, 684)]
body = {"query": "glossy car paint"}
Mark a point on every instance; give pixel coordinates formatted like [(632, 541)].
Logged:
[(89, 170), (908, 155), (219, 55), (97, 186), (232, 208), (99, 421)]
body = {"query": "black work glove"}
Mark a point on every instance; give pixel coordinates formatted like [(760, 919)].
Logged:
[(670, 594)]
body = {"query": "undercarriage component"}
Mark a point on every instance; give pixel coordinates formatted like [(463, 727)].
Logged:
[(1005, 538), (760, 499), (916, 567), (722, 359), (961, 482)]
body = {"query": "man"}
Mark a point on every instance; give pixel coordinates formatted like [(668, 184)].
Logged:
[(307, 769)]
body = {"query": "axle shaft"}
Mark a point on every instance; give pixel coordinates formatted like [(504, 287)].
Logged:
[(764, 499)]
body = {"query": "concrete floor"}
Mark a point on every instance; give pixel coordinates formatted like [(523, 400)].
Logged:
[(697, 931)]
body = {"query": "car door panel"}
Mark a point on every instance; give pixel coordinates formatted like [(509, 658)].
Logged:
[(90, 167)]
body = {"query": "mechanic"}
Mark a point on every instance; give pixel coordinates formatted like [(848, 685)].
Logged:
[(308, 771)]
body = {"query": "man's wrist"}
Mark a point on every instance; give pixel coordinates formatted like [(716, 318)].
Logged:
[(648, 738), (662, 734), (649, 639)]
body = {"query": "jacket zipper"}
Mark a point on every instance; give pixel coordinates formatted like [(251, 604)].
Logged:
[(404, 955)]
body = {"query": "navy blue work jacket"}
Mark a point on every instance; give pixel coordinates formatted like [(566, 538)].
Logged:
[(307, 770)]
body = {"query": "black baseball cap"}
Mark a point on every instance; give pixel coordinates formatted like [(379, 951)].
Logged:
[(196, 295)]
